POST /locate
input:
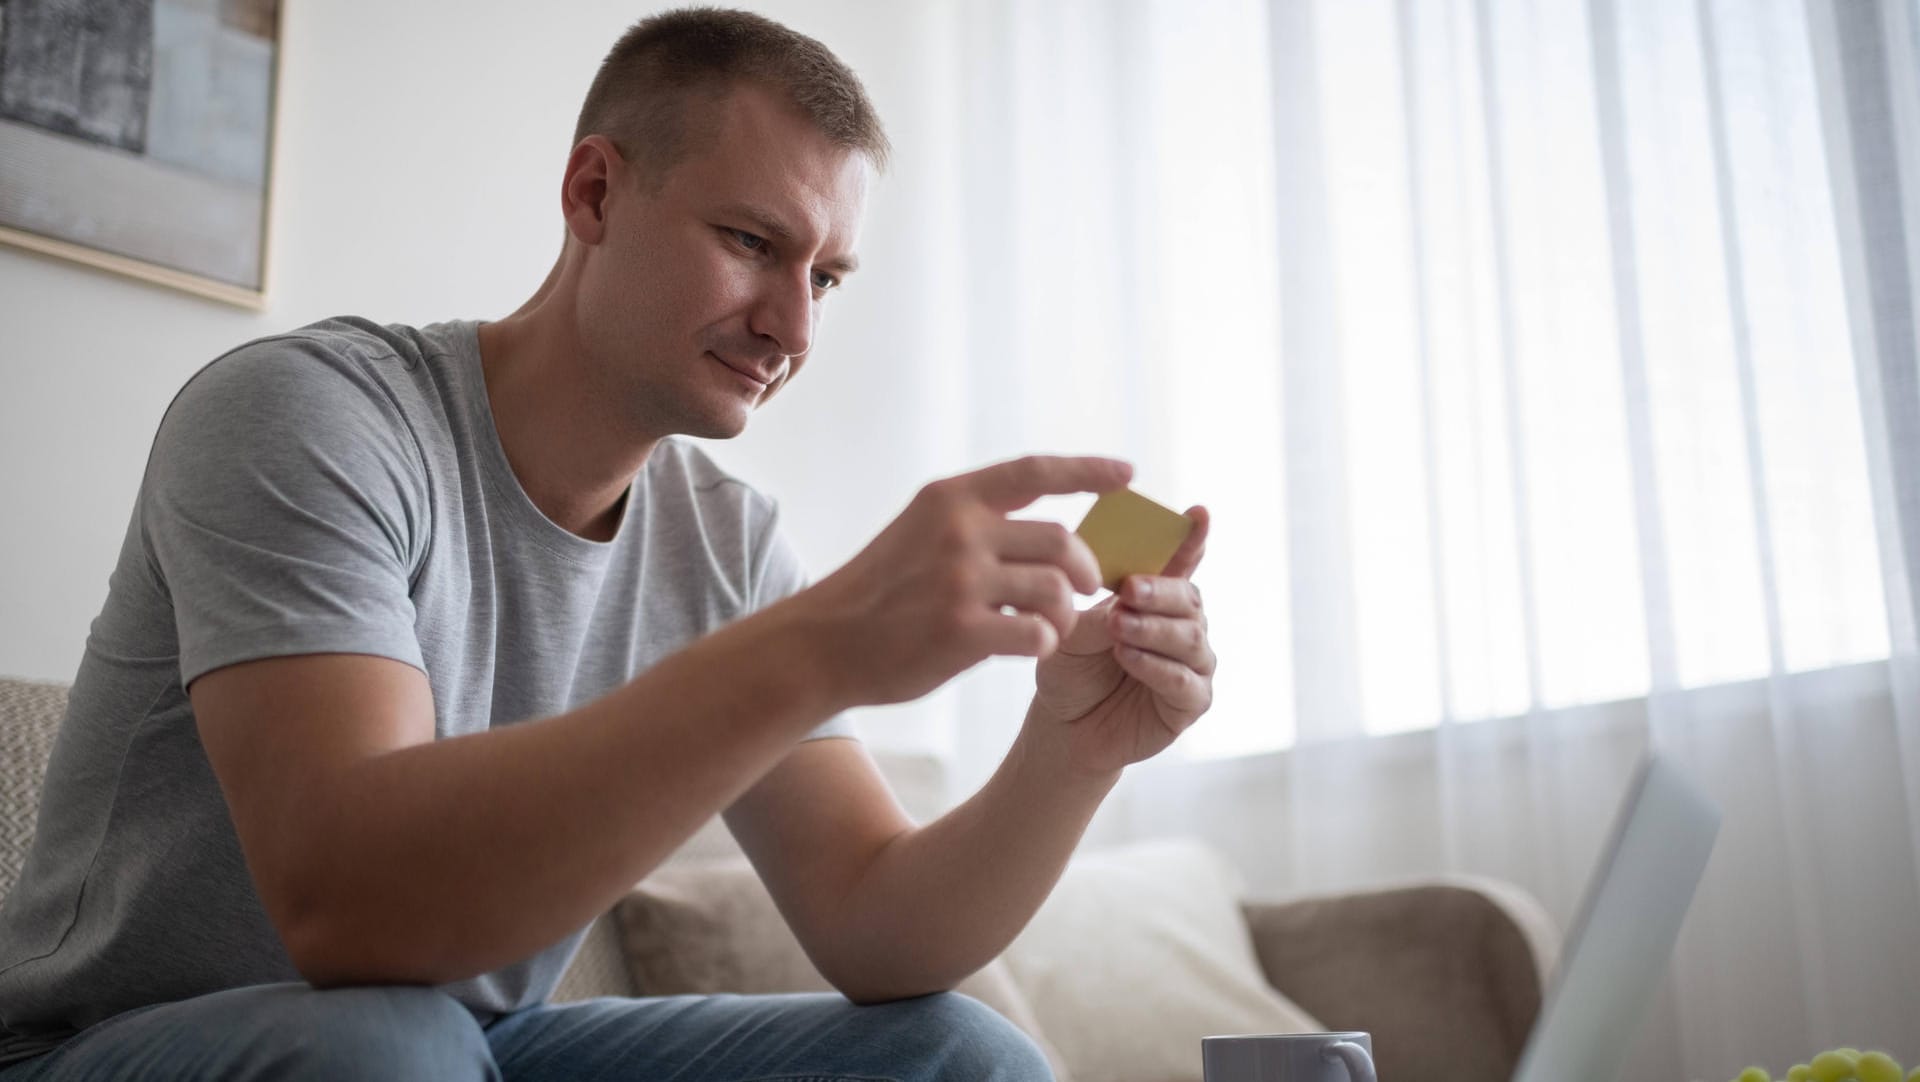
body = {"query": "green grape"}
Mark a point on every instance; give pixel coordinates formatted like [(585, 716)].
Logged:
[(1914, 1076), (1758, 1074), (1850, 1052), (1799, 1072), (1830, 1067), (1877, 1067)]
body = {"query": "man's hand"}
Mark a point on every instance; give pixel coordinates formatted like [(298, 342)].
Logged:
[(1134, 671), (928, 599)]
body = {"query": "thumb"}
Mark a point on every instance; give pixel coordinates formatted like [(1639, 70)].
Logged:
[(1187, 557), (1089, 634)]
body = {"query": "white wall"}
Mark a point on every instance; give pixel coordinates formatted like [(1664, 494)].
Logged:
[(418, 157)]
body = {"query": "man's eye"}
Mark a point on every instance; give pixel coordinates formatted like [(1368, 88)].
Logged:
[(823, 281), (747, 240)]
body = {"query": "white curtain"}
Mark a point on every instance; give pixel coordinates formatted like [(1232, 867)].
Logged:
[(1550, 369)]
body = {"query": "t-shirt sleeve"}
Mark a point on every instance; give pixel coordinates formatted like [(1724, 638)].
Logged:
[(778, 574), (284, 507)]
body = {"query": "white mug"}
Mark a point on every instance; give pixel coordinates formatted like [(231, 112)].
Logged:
[(1288, 1057)]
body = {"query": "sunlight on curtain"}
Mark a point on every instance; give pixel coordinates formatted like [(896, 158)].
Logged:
[(1382, 410), (1470, 476), (1452, 500), (1512, 493), (1829, 572), (1533, 376)]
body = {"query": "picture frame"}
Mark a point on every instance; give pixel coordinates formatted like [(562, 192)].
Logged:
[(136, 136)]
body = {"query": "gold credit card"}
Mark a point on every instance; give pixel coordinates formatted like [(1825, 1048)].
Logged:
[(1131, 535)]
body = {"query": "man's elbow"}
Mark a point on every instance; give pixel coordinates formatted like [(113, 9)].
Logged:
[(313, 951), (874, 995), (326, 959), (865, 988), (331, 952)]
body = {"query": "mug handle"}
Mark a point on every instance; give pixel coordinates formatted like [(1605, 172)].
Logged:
[(1351, 1056)]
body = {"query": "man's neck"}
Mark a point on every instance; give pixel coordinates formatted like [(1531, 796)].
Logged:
[(568, 458)]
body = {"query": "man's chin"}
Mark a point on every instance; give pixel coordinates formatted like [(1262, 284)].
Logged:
[(718, 426)]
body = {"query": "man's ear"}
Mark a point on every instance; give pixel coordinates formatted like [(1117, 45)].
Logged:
[(593, 169)]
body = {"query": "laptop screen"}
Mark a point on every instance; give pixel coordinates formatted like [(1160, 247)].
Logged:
[(1618, 945)]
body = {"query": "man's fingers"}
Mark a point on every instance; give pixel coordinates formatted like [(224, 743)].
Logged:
[(1017, 635), (1182, 640), (1187, 557), (1011, 485), (1177, 685), (1020, 541), (1039, 589), (1090, 633), (1159, 594)]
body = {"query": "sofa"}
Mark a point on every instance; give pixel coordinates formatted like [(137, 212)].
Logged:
[(1140, 950)]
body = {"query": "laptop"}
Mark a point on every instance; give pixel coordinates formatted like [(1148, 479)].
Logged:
[(1617, 948)]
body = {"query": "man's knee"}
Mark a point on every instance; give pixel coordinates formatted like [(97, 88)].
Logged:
[(392, 1032), (963, 1038)]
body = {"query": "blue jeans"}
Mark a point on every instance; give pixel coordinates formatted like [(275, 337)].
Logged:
[(292, 1031)]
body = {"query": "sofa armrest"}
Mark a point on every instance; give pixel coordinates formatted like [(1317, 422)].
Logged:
[(1446, 974)]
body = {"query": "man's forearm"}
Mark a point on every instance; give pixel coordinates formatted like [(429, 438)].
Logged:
[(445, 860), (941, 901)]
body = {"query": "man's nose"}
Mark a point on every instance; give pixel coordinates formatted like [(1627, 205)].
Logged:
[(785, 313)]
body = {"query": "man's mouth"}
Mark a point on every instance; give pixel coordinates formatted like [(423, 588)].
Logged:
[(744, 371), (745, 374)]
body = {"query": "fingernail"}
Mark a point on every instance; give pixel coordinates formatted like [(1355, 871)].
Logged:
[(1143, 589)]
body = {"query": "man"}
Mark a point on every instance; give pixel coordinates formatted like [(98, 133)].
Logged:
[(425, 644)]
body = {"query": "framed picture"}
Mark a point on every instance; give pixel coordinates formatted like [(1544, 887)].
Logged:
[(137, 136)]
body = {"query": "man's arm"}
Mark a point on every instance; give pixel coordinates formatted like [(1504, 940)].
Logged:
[(384, 855), (887, 910)]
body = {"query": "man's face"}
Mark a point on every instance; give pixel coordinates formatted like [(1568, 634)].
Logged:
[(703, 298)]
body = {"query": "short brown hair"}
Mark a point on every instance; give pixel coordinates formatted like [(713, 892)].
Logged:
[(666, 65)]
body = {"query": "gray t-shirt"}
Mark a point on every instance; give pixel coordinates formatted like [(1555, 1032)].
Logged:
[(336, 489)]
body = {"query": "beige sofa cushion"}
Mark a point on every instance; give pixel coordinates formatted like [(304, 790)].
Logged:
[(701, 927), (1139, 953)]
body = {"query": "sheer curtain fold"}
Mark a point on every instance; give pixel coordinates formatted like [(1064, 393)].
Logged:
[(1550, 369)]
